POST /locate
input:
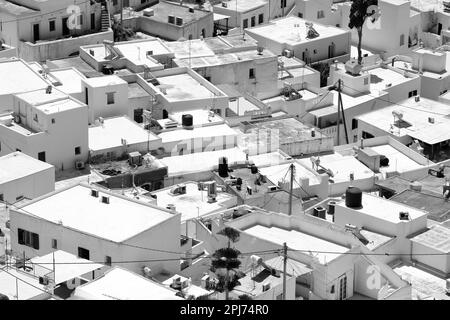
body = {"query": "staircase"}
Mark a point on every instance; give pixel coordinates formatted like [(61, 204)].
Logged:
[(105, 21)]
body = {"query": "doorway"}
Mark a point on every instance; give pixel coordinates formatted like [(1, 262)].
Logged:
[(65, 27), (342, 287), (36, 32)]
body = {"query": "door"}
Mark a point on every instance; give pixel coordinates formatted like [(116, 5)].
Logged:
[(439, 28), (138, 115), (36, 32), (331, 50), (342, 287), (65, 27), (86, 95), (41, 156), (92, 21)]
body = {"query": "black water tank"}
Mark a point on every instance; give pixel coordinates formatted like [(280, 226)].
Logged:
[(187, 120), (254, 169), (331, 206), (353, 197), (223, 167), (384, 161)]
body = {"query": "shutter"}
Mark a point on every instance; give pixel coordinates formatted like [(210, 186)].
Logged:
[(35, 241), (20, 236)]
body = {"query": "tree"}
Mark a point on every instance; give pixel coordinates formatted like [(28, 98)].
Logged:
[(228, 259), (359, 12)]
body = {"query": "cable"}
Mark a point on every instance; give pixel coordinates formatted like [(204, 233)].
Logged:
[(372, 254)]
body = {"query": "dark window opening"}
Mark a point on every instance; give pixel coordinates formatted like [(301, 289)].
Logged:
[(108, 260), (27, 238), (83, 253), (354, 124), (77, 150), (41, 156), (52, 25), (251, 73)]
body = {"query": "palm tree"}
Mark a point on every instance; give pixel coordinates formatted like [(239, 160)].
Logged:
[(359, 12), (227, 258)]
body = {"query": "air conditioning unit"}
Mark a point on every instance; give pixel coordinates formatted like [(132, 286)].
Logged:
[(403, 216), (266, 286), (44, 281), (135, 158), (79, 165), (149, 12), (288, 53), (105, 199), (179, 189)]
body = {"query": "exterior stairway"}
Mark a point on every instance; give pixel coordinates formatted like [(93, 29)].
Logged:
[(105, 21)]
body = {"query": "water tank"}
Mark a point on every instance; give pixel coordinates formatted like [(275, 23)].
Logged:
[(331, 206), (320, 212), (353, 197), (384, 161), (254, 169), (223, 167), (416, 186), (187, 120)]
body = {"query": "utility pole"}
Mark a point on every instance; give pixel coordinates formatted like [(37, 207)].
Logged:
[(339, 111), (284, 269), (291, 190), (121, 12)]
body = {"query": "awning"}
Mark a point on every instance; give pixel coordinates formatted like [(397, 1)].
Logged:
[(218, 16), (293, 268)]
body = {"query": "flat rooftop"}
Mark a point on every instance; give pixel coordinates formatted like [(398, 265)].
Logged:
[(16, 9), (437, 238), (135, 90), (242, 6), (19, 77), (110, 80), (77, 63), (201, 161), (384, 209), (224, 59), (70, 80), (192, 48), (17, 165), (163, 9), (182, 87), (76, 209), (199, 117), (375, 239), (381, 77), (220, 130), (253, 282), (194, 203), (113, 130), (398, 161), (425, 286), (240, 106), (434, 204), (415, 114), (293, 31), (278, 173), (342, 166), (121, 284), (297, 240)]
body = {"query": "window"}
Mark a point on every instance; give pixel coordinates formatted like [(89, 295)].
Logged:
[(80, 20), (253, 21), (354, 124), (251, 73), (412, 94), (83, 253), (108, 260), (53, 120), (245, 23), (110, 97), (27, 238), (366, 81), (261, 18), (92, 21), (77, 150), (402, 40), (2, 197), (35, 118), (203, 33), (86, 95), (366, 135), (52, 25), (300, 15), (190, 37), (320, 14), (54, 244), (41, 156), (283, 3), (343, 287)]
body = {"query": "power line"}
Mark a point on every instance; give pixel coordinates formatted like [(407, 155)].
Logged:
[(372, 253)]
